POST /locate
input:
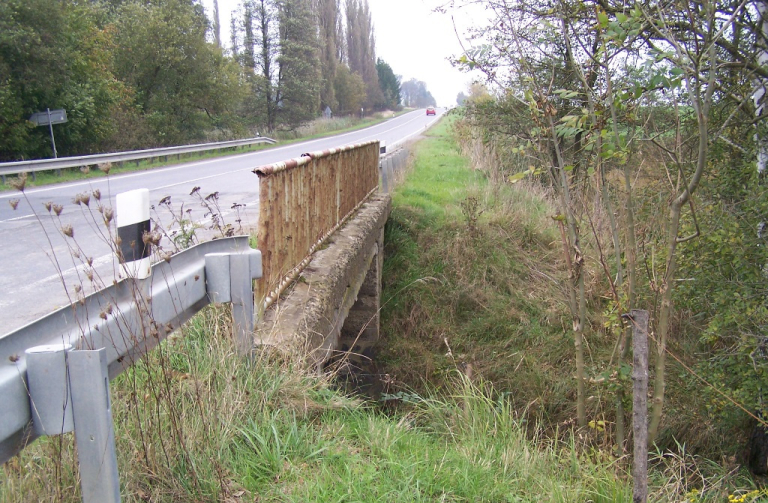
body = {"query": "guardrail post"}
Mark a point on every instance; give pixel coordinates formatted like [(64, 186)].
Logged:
[(48, 385), (229, 278), (94, 430), (69, 390)]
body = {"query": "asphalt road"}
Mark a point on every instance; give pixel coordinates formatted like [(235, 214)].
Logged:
[(41, 269)]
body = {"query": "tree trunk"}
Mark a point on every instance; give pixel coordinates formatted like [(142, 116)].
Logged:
[(575, 279), (758, 449), (659, 382)]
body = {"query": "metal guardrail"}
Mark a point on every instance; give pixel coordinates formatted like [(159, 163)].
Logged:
[(11, 168), (391, 163), (128, 319)]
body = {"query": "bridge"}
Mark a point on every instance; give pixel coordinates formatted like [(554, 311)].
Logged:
[(317, 267)]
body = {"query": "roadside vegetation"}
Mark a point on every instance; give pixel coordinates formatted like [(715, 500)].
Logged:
[(475, 283), (645, 124)]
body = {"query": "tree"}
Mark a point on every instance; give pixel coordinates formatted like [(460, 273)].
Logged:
[(183, 85), (600, 82), (299, 78), (328, 13), (350, 90), (262, 76), (390, 86), (361, 50), (414, 93), (55, 55), (216, 24)]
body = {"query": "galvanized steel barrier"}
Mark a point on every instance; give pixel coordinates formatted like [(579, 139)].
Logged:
[(123, 321), (302, 202), (10, 168), (391, 163)]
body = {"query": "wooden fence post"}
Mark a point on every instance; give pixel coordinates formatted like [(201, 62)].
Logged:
[(639, 320)]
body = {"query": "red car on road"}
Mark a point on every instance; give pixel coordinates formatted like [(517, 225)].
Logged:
[(431, 111)]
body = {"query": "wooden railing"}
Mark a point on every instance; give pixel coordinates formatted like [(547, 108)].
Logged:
[(302, 202)]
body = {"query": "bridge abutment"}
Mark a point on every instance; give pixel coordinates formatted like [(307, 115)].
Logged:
[(360, 332)]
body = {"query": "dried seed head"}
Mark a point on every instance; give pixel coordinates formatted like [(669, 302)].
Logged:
[(97, 194), (109, 308), (68, 231), (76, 254), (89, 261), (108, 214), (152, 238), (20, 182), (105, 167), (78, 288), (89, 274), (166, 256), (165, 200), (194, 191), (57, 208), (14, 203), (82, 198), (103, 315), (48, 206), (212, 197)]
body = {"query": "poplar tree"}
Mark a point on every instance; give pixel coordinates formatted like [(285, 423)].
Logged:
[(361, 51), (299, 76), (328, 12)]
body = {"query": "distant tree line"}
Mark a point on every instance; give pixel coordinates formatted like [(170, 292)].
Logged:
[(147, 73)]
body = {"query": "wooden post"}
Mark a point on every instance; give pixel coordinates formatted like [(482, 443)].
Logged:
[(639, 320)]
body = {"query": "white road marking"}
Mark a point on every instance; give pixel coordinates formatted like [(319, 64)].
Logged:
[(59, 277)]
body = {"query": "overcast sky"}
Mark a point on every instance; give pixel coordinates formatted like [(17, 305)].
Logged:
[(415, 41)]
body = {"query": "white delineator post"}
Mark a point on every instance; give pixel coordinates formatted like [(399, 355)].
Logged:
[(132, 224)]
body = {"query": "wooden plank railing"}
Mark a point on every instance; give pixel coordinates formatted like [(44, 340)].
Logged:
[(302, 202)]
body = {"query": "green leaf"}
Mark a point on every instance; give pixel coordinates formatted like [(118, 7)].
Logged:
[(517, 177)]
